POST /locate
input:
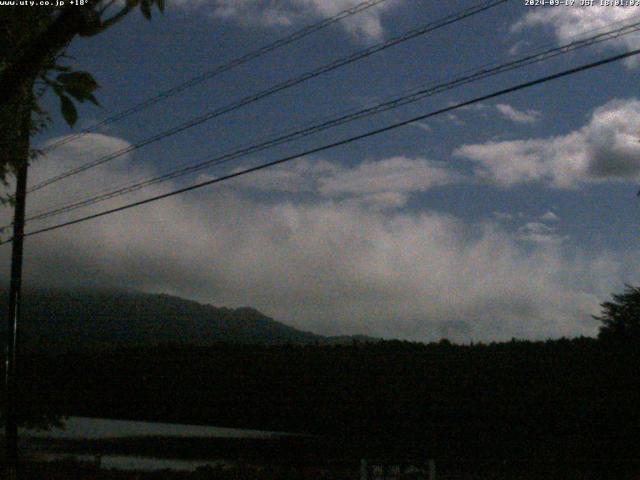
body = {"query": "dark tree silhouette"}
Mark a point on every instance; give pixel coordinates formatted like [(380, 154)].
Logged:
[(621, 317), (33, 42)]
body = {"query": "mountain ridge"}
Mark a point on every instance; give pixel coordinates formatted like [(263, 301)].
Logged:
[(96, 319)]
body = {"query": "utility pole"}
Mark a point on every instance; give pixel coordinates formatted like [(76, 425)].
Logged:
[(13, 317), (20, 168)]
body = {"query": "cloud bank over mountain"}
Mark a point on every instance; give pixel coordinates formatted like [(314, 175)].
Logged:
[(320, 261)]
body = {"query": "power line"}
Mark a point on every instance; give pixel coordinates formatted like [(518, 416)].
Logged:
[(236, 62), (381, 107), (582, 35), (279, 87), (535, 55), (450, 19), (329, 146)]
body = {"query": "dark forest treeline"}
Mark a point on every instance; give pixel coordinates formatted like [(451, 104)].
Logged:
[(557, 400)]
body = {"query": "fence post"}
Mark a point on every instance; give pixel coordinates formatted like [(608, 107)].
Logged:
[(364, 474), (432, 469)]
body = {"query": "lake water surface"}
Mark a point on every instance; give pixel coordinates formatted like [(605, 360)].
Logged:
[(96, 428), (79, 428)]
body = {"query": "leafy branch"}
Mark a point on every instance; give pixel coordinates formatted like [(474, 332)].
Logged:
[(31, 46)]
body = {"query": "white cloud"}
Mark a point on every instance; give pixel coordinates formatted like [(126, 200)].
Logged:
[(503, 216), (538, 232), (519, 46), (422, 126), (366, 25), (454, 119), (569, 21), (606, 148), (476, 108), (394, 175), (549, 216), (326, 266), (380, 183), (295, 177), (79, 151), (518, 116)]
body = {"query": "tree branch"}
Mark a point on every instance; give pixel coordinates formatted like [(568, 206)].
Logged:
[(69, 23), (115, 18)]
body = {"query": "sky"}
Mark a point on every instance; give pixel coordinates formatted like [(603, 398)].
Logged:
[(513, 217)]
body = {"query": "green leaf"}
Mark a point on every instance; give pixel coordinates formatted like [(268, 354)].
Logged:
[(80, 85), (93, 100), (68, 110), (91, 24), (83, 80), (145, 8), (57, 89), (60, 68)]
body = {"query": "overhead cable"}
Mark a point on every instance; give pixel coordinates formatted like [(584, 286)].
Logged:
[(332, 145)]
